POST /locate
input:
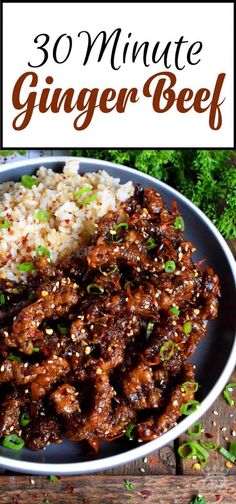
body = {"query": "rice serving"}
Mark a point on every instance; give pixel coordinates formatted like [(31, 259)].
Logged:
[(58, 213)]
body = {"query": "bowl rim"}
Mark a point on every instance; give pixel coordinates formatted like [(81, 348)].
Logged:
[(146, 448)]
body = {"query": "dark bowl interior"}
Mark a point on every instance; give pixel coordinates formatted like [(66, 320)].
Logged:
[(212, 353)]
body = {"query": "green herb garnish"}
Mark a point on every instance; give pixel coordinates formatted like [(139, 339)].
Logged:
[(187, 327), (179, 223), (40, 250), (189, 407), (13, 442), (170, 266), (129, 431), (95, 289), (195, 430), (190, 386), (53, 478), (26, 266), (174, 310), (13, 358), (42, 216), (128, 485), (82, 191), (88, 200), (2, 298), (227, 393), (62, 329), (4, 224), (25, 419), (167, 350), (28, 182), (150, 243)]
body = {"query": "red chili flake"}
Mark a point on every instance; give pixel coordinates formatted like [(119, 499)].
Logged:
[(70, 488), (67, 221), (146, 493), (219, 498), (209, 436), (152, 460)]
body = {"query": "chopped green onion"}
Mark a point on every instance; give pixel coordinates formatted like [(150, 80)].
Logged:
[(25, 266), (191, 449), (4, 224), (28, 182), (42, 216), (129, 431), (13, 357), (2, 298), (42, 250), (46, 501), (62, 329), (175, 310), (198, 500), (25, 419), (189, 407), (227, 391), (112, 269), (88, 200), (170, 266), (179, 223), (128, 485), (95, 289), (167, 350), (31, 296), (149, 329), (209, 445), (13, 442), (195, 430), (232, 448), (124, 225), (36, 349), (82, 191), (227, 454), (150, 243), (187, 327), (190, 386), (187, 450), (53, 479)]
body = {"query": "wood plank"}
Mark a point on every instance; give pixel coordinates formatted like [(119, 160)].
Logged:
[(110, 490), (162, 461)]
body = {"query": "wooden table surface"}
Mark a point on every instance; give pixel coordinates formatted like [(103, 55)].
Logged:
[(161, 478)]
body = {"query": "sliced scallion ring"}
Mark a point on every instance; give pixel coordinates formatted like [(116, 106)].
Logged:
[(196, 429), (189, 386), (179, 223), (62, 329), (167, 350), (189, 407), (170, 266), (95, 289), (227, 393), (13, 442), (227, 454), (150, 244), (25, 419)]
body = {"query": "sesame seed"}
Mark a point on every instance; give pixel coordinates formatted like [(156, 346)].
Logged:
[(2, 368), (233, 433), (223, 429), (87, 350), (32, 481), (215, 412), (49, 331), (44, 293), (98, 371), (145, 460), (11, 428), (142, 470)]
